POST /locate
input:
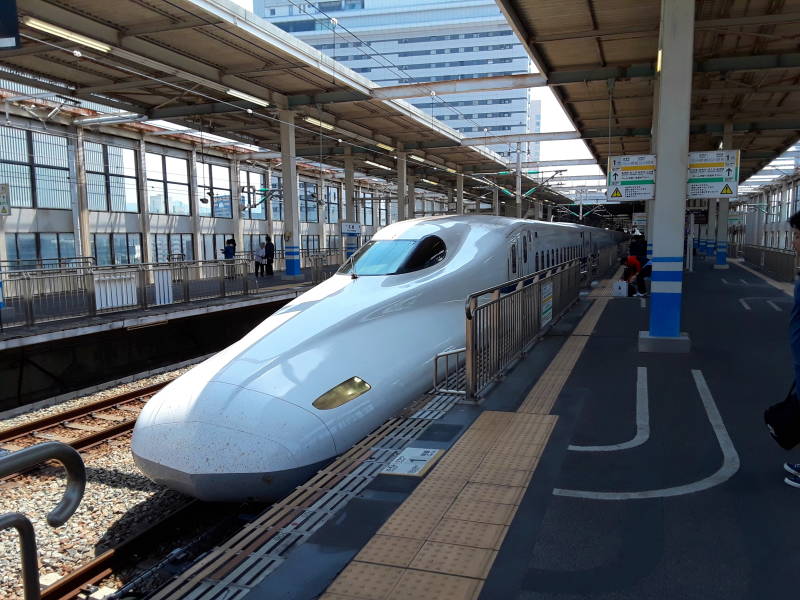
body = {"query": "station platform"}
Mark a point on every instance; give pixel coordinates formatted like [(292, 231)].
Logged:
[(590, 471), (60, 359)]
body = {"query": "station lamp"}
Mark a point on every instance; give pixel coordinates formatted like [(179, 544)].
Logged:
[(385, 147), (248, 97), (66, 34), (380, 166), (318, 123), (416, 158)]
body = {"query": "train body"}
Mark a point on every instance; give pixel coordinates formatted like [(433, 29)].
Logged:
[(261, 416)]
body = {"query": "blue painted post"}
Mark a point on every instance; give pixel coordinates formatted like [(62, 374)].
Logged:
[(291, 203), (672, 147)]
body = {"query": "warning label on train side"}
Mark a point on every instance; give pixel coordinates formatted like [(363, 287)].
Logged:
[(631, 177), (713, 174)]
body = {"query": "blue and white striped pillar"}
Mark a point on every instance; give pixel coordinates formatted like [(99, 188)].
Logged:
[(711, 240), (665, 296), (291, 205), (649, 250), (669, 209)]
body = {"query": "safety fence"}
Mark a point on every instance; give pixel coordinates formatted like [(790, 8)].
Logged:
[(780, 264), (503, 322), (41, 295)]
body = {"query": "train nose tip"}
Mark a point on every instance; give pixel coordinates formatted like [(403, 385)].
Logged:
[(217, 464)]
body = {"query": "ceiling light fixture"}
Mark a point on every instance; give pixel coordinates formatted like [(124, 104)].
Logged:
[(429, 181), (416, 158), (122, 117), (318, 123), (385, 147), (248, 97), (66, 34), (380, 166)]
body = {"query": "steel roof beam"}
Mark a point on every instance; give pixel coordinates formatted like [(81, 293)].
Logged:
[(559, 163), (165, 26), (458, 86), (773, 19), (211, 108), (521, 137)]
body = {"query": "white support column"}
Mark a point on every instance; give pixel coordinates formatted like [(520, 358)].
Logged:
[(291, 202), (144, 204), (322, 210), (495, 201), (194, 202), (676, 45), (724, 207), (412, 196), (80, 213), (402, 185), (349, 240), (236, 203), (268, 205), (519, 181), (460, 193)]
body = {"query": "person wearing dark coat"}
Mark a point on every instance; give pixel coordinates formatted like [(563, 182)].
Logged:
[(269, 256)]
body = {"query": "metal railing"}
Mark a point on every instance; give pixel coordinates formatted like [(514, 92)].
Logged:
[(504, 321), (448, 372), (781, 264), (23, 460), (43, 295), (27, 264)]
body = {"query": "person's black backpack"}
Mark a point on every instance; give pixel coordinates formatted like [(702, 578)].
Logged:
[(783, 421)]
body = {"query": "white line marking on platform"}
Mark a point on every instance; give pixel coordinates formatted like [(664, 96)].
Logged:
[(775, 306), (642, 302), (642, 420), (730, 460), (743, 282), (725, 281), (744, 304)]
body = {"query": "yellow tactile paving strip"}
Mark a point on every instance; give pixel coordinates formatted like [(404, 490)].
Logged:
[(440, 544)]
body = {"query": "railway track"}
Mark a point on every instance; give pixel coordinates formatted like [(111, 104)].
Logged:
[(82, 427)]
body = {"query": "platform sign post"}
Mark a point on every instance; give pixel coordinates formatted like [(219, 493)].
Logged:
[(713, 175), (5, 200), (350, 232), (631, 177)]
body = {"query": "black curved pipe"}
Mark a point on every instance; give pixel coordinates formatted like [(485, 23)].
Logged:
[(27, 550), (27, 458)]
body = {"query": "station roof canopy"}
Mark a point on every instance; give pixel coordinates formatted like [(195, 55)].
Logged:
[(599, 57), (211, 66)]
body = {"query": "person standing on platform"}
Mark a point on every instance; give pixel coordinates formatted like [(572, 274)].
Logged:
[(638, 248), (229, 253), (793, 469), (269, 255), (261, 259)]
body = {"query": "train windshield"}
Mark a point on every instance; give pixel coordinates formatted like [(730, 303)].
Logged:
[(390, 257)]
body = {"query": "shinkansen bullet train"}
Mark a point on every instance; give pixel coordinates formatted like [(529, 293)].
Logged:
[(263, 415)]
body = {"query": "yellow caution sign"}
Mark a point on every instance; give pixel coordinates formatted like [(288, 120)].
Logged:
[(617, 194), (726, 190)]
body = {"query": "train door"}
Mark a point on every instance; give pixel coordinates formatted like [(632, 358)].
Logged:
[(527, 265)]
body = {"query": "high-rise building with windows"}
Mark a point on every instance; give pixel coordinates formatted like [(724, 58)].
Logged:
[(414, 41)]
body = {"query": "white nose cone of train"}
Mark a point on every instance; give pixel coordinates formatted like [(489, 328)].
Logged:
[(228, 443)]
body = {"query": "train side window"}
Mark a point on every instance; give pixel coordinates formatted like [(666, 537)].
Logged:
[(536, 266), (513, 259), (525, 250), (428, 252)]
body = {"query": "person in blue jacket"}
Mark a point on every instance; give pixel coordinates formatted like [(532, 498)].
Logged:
[(793, 469)]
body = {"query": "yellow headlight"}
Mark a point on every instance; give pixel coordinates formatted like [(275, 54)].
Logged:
[(342, 394)]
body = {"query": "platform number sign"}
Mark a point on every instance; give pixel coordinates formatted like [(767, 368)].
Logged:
[(5, 200)]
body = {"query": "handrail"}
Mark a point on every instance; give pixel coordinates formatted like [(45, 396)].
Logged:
[(25, 459), (27, 550), (541, 274), (29, 457)]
